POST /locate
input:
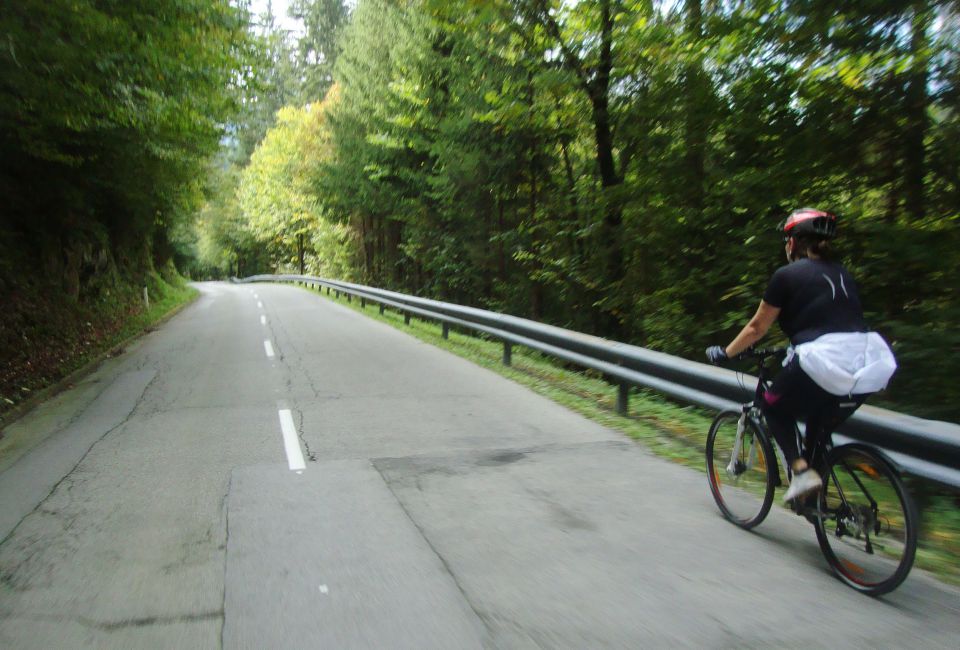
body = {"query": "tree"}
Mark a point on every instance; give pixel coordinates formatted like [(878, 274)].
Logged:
[(107, 114), (271, 83), (318, 48), (275, 191), (619, 166)]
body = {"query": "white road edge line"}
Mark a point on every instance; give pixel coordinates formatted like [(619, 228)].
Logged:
[(259, 304), (263, 319), (291, 443), (268, 347)]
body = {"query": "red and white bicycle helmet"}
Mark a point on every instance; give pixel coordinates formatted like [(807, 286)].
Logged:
[(810, 221)]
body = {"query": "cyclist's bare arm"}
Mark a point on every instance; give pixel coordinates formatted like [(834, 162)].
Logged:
[(755, 330)]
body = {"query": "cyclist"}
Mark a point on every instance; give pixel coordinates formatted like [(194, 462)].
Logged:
[(833, 363)]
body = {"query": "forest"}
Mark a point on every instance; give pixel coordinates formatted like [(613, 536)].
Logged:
[(616, 167)]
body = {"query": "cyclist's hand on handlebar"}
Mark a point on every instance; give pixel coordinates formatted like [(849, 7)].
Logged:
[(716, 354)]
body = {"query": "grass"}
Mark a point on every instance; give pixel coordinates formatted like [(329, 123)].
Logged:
[(672, 431), (52, 338)]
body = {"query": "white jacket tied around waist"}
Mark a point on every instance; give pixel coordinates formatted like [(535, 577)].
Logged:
[(848, 363)]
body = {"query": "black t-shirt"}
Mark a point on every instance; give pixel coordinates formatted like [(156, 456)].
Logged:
[(815, 297)]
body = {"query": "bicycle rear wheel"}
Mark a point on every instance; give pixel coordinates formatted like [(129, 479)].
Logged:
[(742, 470), (867, 523)]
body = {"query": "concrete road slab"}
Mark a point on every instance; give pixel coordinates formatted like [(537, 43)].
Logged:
[(328, 558), (602, 545)]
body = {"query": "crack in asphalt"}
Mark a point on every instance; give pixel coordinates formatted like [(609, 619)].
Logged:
[(289, 365), (310, 455), (224, 508), (80, 412), (67, 478), (113, 626), (143, 395), (146, 621), (275, 340), (295, 362)]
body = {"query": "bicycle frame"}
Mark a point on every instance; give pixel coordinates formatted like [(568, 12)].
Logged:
[(751, 411), (851, 505)]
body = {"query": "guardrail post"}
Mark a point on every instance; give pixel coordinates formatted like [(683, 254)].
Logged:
[(507, 353), (623, 399), (446, 330), (381, 308), (349, 298), (406, 318), (328, 291), (363, 302), (337, 294)]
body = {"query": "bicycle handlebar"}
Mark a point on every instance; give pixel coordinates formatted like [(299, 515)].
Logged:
[(761, 353)]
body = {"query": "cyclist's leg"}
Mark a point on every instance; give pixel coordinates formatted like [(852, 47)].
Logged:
[(824, 421), (794, 395), (782, 404)]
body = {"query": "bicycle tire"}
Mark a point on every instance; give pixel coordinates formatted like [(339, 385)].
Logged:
[(850, 514), (742, 491)]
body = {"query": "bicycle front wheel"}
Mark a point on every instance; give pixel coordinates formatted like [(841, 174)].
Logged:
[(742, 470), (866, 522)]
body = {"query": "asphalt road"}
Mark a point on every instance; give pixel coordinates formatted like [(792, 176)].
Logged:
[(271, 470)]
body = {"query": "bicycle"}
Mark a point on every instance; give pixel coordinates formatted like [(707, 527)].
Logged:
[(865, 520)]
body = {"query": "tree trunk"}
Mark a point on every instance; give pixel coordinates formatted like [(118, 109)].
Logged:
[(300, 253), (536, 285), (609, 177), (695, 128), (595, 81), (501, 257), (366, 242), (393, 255), (915, 109)]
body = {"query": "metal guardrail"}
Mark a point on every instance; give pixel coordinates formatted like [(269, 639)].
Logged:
[(926, 448)]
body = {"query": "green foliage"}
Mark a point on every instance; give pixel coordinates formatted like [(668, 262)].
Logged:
[(270, 82), (225, 245), (276, 201), (108, 111), (317, 49), (44, 338), (619, 167)]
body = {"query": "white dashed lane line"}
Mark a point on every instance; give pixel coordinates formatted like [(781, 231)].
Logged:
[(291, 443)]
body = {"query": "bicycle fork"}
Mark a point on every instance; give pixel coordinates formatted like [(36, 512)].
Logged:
[(735, 467)]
